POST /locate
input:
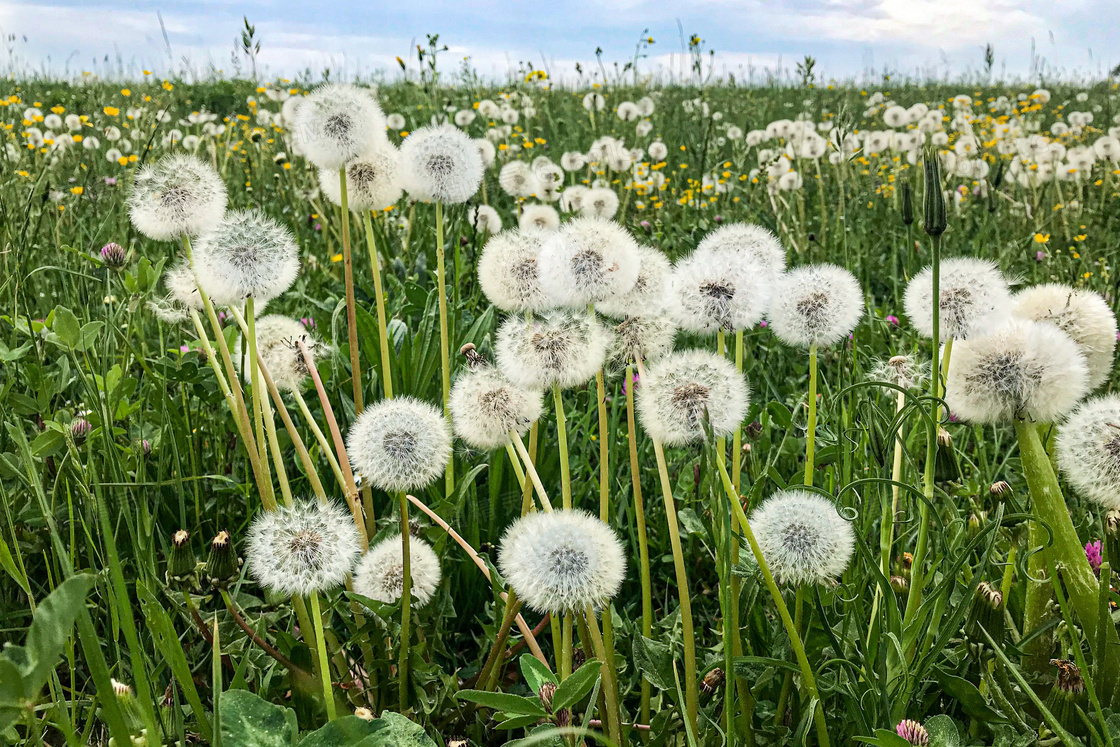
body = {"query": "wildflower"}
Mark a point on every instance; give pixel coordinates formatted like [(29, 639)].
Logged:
[(971, 291), (1088, 450), (80, 428), (278, 339), (588, 261), (803, 537), (563, 561), (913, 732), (558, 348), (336, 124), (247, 254), (1093, 553), (1022, 369), (178, 195), (508, 272), (400, 444), (442, 164), (380, 574), (486, 406), (304, 548), (689, 389), (373, 180), (718, 289), (816, 305), (647, 296), (114, 256), (1082, 314)]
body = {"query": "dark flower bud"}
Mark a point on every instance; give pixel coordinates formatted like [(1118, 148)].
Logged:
[(548, 690), (222, 563), (907, 195), (80, 428), (114, 256), (936, 221), (900, 584), (1068, 696), (181, 563), (999, 490), (712, 681)]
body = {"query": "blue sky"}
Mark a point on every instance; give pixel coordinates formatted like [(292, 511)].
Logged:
[(845, 36)]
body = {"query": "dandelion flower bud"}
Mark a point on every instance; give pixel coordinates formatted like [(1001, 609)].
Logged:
[(816, 305), (1022, 369), (971, 290), (751, 242), (644, 338), (247, 254), (485, 407), (380, 574), (181, 562), (1082, 314), (709, 291), (559, 348), (337, 123), (1088, 449), (539, 218), (562, 561), (508, 271), (803, 537), (278, 339), (588, 261), (442, 164), (373, 180), (221, 563), (687, 389), (648, 294), (400, 444), (176, 196)]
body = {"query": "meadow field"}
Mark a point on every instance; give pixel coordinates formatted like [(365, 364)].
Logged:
[(712, 414)]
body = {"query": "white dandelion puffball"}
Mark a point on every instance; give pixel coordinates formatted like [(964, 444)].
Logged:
[(816, 305), (1088, 450), (278, 339), (484, 219), (400, 444), (486, 406), (971, 291), (176, 196), (1022, 369), (644, 338), (599, 202), (380, 574), (182, 287), (587, 261), (304, 548), (540, 218), (373, 180), (648, 294), (750, 242), (802, 537), (517, 179), (441, 164), (337, 123), (687, 388), (508, 271), (708, 291), (1082, 314), (246, 254), (562, 561), (558, 348)]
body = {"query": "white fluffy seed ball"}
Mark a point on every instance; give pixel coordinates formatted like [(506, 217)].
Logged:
[(278, 339), (589, 260), (337, 123), (1022, 369), (1082, 314), (304, 548), (562, 561), (645, 338), (708, 291), (486, 406), (176, 196), (685, 390), (373, 180), (400, 444), (539, 218), (441, 164), (648, 295), (558, 348), (1088, 449), (380, 574), (971, 291), (802, 537), (816, 305), (246, 254), (750, 242), (509, 273)]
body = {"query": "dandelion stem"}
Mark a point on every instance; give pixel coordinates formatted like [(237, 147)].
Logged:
[(255, 389), (379, 300), (562, 440), (486, 677), (614, 718), (406, 604), (351, 302), (324, 663), (320, 438), (811, 424), (643, 538), (531, 469), (444, 341)]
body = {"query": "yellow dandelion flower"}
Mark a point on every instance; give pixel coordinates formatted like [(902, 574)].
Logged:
[(336, 258), (1041, 238)]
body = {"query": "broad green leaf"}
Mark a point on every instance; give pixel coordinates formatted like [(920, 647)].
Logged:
[(66, 327), (884, 738), (654, 661), (535, 673), (396, 730), (249, 721), (578, 684), (54, 619), (942, 731), (505, 702), (965, 693), (349, 731)]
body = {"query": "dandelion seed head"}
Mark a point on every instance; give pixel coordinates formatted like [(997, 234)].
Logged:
[(441, 164), (278, 339), (1088, 449), (373, 180), (539, 218), (176, 196), (803, 537), (562, 561), (971, 290), (246, 254), (486, 406), (1082, 314), (646, 338), (400, 444), (708, 291), (599, 202), (589, 260), (304, 548), (337, 123), (562, 348), (816, 305), (648, 295), (901, 370), (746, 242), (509, 273), (380, 574), (517, 179), (686, 390), (485, 220)]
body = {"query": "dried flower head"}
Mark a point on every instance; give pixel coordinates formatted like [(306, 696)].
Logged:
[(246, 254), (486, 406), (648, 295), (688, 389), (508, 271), (562, 561), (971, 291), (901, 370), (1082, 314), (278, 339), (1088, 450), (400, 444), (337, 123), (559, 348), (816, 305), (1022, 369), (589, 260), (176, 196), (441, 164), (803, 537), (380, 574), (373, 180), (304, 548)]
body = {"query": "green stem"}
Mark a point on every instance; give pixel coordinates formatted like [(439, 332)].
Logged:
[(324, 663), (614, 718), (351, 301), (379, 300), (811, 424), (444, 341), (406, 604), (643, 538), (562, 439)]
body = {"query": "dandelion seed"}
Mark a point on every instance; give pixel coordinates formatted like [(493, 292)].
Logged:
[(380, 574), (176, 196), (301, 549), (247, 254), (687, 390), (400, 444), (816, 305), (803, 537)]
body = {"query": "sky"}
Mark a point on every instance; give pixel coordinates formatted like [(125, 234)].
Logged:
[(847, 38)]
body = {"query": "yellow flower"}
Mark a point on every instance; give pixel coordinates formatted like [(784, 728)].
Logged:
[(1041, 238), (1080, 237), (126, 92), (147, 72), (167, 86), (123, 160), (77, 138), (540, 141), (58, 109), (77, 190), (23, 173), (336, 258)]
